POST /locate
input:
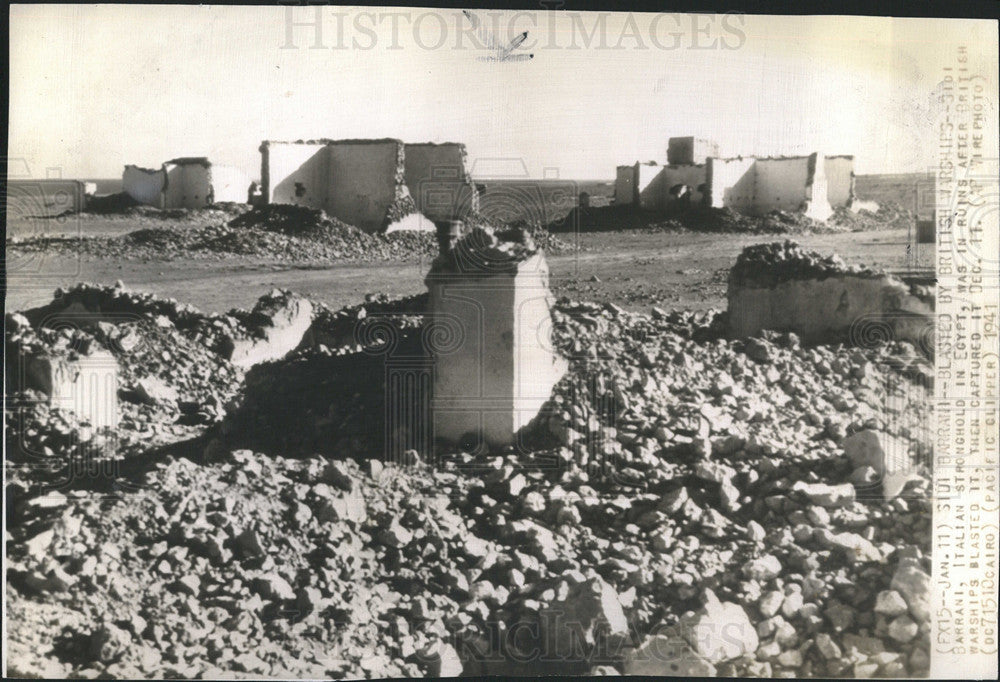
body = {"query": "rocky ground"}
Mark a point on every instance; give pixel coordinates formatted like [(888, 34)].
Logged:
[(725, 220), (687, 504), (282, 233), (297, 234)]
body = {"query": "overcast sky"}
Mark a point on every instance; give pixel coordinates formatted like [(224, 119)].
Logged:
[(93, 88)]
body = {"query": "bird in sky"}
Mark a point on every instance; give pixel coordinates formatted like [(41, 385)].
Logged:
[(501, 53)]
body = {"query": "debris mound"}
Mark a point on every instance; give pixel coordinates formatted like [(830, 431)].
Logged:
[(107, 204), (288, 219), (774, 262), (722, 220), (889, 216), (678, 482)]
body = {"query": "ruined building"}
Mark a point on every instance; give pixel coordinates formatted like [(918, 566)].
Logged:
[(695, 173), (186, 182), (377, 185)]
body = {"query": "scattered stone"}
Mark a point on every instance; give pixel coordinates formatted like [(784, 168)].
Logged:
[(915, 586), (763, 569), (770, 603), (890, 603), (666, 656), (855, 547), (829, 496), (591, 608), (153, 390), (827, 648), (878, 450), (903, 629), (720, 631)]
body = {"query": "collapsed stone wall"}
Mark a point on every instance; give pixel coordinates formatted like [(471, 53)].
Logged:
[(70, 372), (781, 287), (145, 185), (294, 173), (188, 185), (361, 182), (732, 183), (785, 184), (489, 335), (656, 188), (44, 198), (750, 185), (687, 151), (625, 185), (839, 180), (438, 181), (192, 182), (366, 182)]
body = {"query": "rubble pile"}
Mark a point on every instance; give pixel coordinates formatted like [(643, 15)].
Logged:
[(775, 262), (281, 232), (710, 219), (171, 379), (256, 566), (723, 500), (889, 216), (169, 388), (366, 326)]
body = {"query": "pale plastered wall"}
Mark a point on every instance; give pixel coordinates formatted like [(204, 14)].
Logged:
[(733, 183), (500, 367), (144, 185), (817, 310), (625, 185), (650, 185), (839, 180), (438, 180), (781, 184), (363, 181), (295, 173), (188, 186)]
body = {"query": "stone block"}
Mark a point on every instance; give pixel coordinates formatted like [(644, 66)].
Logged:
[(86, 385), (488, 332), (689, 150), (280, 322)]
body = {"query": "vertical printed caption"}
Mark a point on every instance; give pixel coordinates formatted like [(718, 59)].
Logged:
[(965, 553)]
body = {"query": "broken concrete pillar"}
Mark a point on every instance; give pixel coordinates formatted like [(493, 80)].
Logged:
[(277, 323), (781, 287), (817, 202), (488, 336), (86, 385), (682, 151)]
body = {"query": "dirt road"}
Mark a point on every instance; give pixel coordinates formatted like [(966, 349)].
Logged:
[(635, 270)]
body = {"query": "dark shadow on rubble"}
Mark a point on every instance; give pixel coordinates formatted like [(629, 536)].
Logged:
[(336, 405), (112, 475)]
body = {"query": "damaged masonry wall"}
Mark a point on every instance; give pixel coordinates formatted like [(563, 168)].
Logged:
[(438, 181), (782, 287), (793, 183), (360, 182), (814, 184), (188, 182), (377, 185)]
